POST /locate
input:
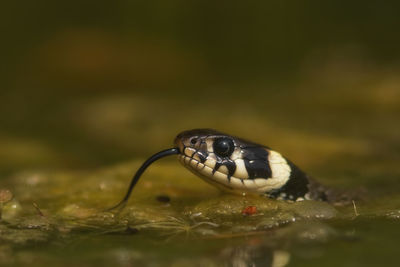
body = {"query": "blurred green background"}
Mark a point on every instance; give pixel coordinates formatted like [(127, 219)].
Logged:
[(89, 83)]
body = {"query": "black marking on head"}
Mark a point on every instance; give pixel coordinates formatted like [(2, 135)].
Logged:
[(228, 163), (231, 166), (202, 156), (216, 167), (256, 162)]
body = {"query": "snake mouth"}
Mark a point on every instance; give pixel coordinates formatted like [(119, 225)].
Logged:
[(205, 172), (179, 145), (223, 180)]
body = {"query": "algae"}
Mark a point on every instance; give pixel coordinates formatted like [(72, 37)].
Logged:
[(68, 211)]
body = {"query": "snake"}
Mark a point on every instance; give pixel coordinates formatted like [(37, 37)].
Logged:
[(236, 165)]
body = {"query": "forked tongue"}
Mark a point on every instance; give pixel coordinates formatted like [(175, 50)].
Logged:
[(139, 172)]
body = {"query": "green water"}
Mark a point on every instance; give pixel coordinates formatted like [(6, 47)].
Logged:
[(89, 90), (58, 217)]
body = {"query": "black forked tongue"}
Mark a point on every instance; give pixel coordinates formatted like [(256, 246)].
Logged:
[(135, 179)]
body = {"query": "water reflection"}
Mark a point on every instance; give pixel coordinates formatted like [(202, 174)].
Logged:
[(254, 254)]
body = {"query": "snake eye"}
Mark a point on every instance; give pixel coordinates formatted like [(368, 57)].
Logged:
[(193, 141), (223, 147)]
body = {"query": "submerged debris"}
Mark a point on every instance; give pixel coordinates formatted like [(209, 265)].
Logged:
[(163, 198)]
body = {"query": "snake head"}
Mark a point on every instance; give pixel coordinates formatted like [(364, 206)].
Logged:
[(238, 165)]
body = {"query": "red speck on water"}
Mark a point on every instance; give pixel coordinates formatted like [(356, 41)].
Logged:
[(249, 210)]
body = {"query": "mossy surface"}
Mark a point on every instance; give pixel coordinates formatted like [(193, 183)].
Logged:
[(57, 216)]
